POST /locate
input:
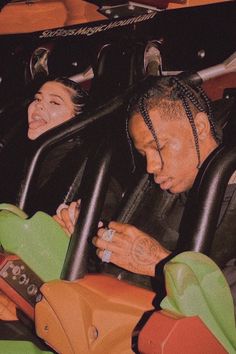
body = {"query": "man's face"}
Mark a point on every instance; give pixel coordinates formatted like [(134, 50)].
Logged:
[(52, 106), (176, 169)]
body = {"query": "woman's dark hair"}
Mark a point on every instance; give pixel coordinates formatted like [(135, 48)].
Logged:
[(171, 95), (78, 95)]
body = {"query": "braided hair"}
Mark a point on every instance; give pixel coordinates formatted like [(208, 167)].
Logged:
[(169, 94)]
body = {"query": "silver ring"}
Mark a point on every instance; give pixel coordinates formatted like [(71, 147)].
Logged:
[(106, 256), (108, 235)]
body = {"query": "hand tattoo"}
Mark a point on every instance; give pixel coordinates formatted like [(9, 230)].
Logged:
[(144, 251)]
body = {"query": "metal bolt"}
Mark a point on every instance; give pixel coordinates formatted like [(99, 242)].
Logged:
[(131, 7), (201, 53), (92, 333), (38, 297)]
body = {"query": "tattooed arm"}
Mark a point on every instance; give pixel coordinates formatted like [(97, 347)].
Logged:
[(131, 249)]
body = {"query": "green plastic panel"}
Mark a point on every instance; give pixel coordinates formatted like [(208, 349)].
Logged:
[(39, 241), (196, 287), (19, 347)]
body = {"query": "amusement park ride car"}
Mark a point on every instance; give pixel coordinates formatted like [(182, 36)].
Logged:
[(53, 304)]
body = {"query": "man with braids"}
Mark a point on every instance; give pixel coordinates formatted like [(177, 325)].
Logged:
[(171, 125)]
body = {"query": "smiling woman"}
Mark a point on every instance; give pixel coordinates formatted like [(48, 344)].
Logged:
[(55, 102)]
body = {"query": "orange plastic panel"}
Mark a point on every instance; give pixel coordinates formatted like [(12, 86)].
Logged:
[(7, 309), (215, 87), (23, 17), (173, 5), (94, 315), (165, 334)]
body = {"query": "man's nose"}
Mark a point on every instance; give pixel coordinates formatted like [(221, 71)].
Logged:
[(154, 163)]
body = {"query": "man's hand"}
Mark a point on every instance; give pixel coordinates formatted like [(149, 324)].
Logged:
[(130, 248), (67, 216)]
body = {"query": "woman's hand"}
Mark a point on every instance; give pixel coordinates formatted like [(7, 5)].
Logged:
[(67, 216), (129, 248)]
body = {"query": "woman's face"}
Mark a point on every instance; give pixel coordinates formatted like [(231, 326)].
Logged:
[(52, 106)]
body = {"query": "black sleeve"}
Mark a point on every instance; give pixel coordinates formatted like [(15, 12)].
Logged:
[(158, 281)]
